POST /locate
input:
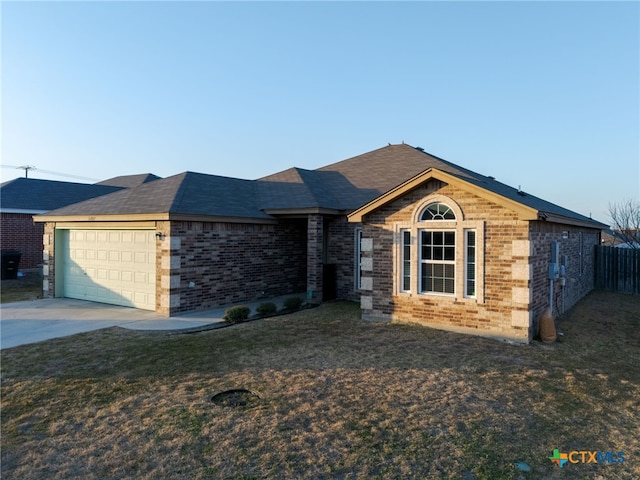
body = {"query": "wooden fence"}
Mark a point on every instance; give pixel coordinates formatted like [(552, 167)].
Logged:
[(617, 269)]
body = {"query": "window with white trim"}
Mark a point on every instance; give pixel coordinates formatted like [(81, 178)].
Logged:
[(470, 263), (406, 260), (437, 211), (440, 253), (437, 261)]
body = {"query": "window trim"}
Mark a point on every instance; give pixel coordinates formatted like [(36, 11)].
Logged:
[(467, 231), (405, 234), (460, 225), (443, 215), (422, 261)]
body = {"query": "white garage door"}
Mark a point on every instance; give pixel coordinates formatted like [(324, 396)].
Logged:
[(110, 266)]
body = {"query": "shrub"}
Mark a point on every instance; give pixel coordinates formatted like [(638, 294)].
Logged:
[(237, 314), (293, 303), (267, 308)]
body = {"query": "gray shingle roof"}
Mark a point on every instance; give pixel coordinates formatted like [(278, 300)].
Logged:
[(383, 169), (129, 181), (286, 189), (343, 186), (35, 195), (187, 193)]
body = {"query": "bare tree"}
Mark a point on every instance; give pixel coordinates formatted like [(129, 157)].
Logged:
[(625, 220)]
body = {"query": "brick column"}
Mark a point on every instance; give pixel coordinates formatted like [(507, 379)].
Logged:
[(314, 258)]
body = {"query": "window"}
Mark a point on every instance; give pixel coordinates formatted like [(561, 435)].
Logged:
[(437, 261), (470, 263), (440, 253), (437, 211), (406, 260)]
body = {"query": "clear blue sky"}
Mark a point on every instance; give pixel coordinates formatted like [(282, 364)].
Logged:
[(539, 94)]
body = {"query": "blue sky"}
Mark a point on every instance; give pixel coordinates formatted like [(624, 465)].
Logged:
[(539, 94)]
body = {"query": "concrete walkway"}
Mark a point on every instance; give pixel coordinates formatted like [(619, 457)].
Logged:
[(29, 322)]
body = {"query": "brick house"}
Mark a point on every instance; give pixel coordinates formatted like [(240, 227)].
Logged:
[(411, 236), (22, 198)]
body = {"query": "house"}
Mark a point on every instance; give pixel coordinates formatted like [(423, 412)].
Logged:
[(411, 236), (614, 238), (22, 198)]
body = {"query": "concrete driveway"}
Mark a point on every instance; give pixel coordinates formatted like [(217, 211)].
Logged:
[(30, 322)]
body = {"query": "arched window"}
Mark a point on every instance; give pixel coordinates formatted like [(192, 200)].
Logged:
[(441, 252), (437, 211)]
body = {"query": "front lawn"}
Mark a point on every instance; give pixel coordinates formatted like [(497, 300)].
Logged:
[(338, 398), (28, 286)]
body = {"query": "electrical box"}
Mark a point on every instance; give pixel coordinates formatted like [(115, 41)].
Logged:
[(564, 263), (554, 271)]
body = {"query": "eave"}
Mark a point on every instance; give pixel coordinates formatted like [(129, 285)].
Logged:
[(302, 212), (23, 211), (550, 217), (146, 217)]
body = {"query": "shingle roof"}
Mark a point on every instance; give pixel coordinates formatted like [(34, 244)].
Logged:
[(286, 189), (343, 186), (381, 170), (35, 195), (129, 181), (187, 193)]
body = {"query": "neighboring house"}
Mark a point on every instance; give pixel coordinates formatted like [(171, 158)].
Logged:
[(613, 238), (22, 198), (411, 236)]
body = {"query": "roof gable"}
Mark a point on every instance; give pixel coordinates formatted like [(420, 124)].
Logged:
[(525, 212), (528, 207)]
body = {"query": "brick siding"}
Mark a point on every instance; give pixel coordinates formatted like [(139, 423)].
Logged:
[(223, 263), (19, 232), (314, 259), (578, 245), (516, 258), (342, 249)]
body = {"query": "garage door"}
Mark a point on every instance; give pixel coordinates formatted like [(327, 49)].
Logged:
[(110, 266)]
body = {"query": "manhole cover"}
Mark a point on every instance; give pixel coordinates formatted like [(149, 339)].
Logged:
[(237, 397)]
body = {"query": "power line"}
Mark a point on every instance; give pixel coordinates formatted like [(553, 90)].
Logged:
[(27, 168)]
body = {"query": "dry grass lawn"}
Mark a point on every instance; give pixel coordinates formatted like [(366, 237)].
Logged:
[(339, 398), (27, 287)]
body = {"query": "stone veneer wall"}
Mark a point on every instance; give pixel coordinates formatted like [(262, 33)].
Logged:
[(501, 310), (203, 265)]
